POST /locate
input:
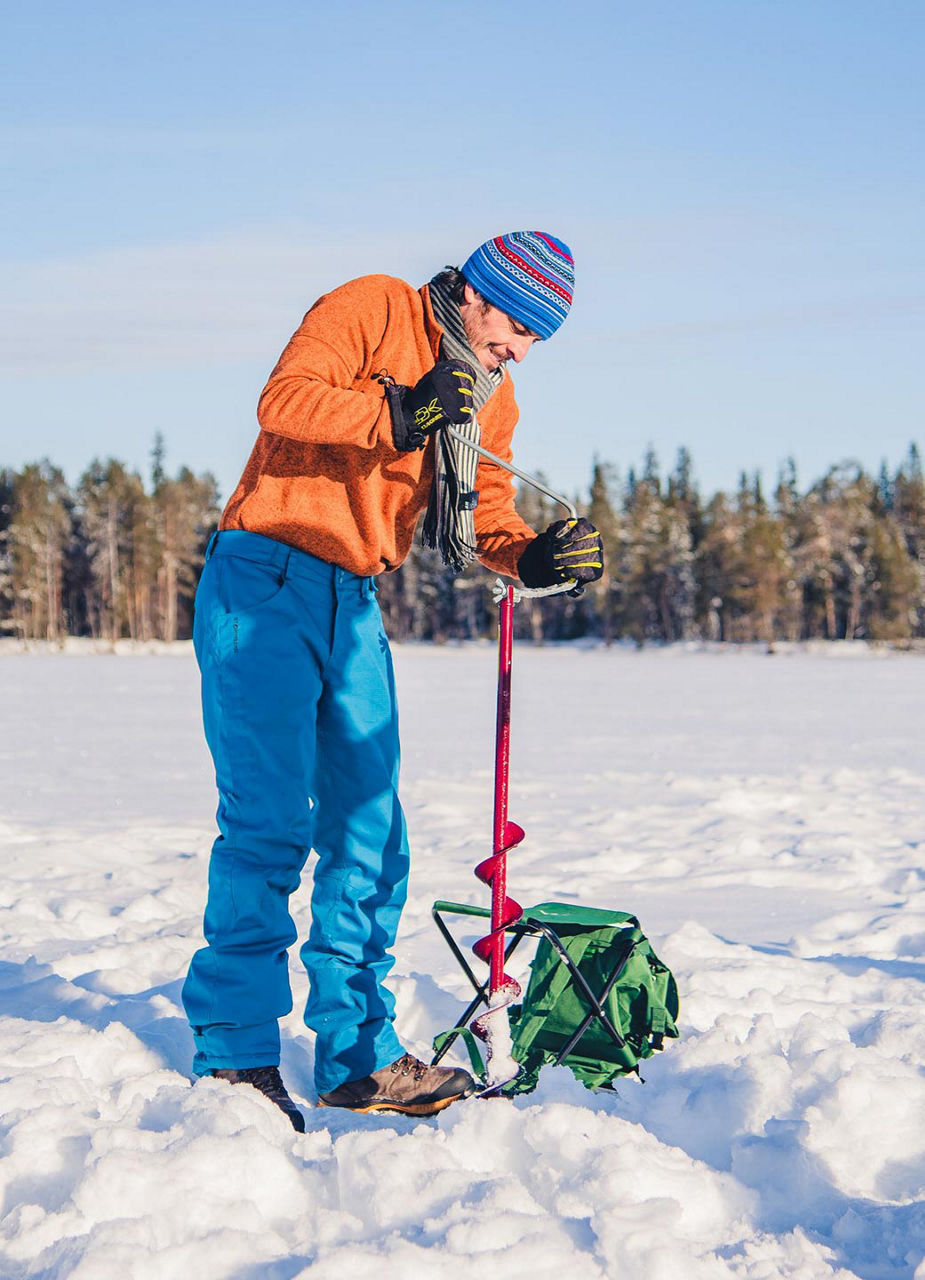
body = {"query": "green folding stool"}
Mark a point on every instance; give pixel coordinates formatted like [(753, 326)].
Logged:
[(598, 999)]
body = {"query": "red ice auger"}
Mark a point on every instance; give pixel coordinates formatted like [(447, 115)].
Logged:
[(492, 1026), (599, 999)]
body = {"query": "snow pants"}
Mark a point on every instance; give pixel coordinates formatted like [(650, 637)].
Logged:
[(298, 701)]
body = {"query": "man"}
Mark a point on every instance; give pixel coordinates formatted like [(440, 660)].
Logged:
[(297, 687)]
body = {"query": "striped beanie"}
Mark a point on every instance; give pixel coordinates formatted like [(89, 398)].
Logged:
[(527, 274)]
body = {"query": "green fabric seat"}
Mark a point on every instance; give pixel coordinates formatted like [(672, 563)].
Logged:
[(598, 999)]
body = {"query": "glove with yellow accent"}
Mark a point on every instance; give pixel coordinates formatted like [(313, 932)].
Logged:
[(443, 395), (568, 549)]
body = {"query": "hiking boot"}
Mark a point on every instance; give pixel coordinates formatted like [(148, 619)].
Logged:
[(406, 1085), (270, 1084)]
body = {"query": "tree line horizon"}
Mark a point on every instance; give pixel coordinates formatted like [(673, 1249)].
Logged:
[(116, 556)]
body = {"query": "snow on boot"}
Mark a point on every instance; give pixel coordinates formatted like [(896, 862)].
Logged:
[(406, 1085), (270, 1084)]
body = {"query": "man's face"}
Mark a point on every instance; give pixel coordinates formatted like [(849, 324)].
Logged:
[(493, 335)]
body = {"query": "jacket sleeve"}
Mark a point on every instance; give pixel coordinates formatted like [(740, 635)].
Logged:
[(311, 394), (501, 536)]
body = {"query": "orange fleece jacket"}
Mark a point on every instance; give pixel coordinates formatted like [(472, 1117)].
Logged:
[(324, 475)]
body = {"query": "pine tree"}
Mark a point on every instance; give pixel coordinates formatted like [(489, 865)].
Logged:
[(720, 571), (113, 509), (909, 502), (894, 588), (884, 488), (909, 510), (655, 571), (36, 544), (602, 512), (786, 505), (184, 513), (7, 490), (832, 551), (764, 565)]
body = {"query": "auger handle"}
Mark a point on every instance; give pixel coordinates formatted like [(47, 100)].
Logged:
[(523, 593), (515, 471)]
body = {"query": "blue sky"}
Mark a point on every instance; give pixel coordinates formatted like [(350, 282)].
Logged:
[(741, 183)]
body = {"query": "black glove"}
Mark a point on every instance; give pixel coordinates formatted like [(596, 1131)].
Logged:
[(568, 549), (443, 395)]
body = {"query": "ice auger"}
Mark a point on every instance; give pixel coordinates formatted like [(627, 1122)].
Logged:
[(599, 999), (492, 1025)]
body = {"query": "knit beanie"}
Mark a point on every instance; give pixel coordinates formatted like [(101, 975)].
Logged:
[(527, 274)]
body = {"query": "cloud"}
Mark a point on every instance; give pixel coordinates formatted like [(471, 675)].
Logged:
[(214, 301), (236, 297)]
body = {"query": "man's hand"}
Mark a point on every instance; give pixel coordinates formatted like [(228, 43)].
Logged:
[(568, 549), (443, 395)]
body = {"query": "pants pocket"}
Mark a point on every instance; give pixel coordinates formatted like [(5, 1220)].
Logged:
[(242, 586)]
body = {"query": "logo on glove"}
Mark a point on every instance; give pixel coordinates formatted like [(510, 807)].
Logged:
[(428, 415)]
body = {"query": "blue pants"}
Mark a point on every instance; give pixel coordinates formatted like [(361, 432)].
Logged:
[(299, 709)]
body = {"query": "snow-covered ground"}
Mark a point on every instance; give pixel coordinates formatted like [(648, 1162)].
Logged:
[(763, 815)]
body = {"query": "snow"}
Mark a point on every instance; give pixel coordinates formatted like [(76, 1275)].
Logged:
[(493, 1026), (762, 814)]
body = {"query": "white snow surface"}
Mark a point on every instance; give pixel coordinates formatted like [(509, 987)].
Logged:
[(762, 814)]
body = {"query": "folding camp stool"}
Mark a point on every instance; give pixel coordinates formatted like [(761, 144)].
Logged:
[(547, 920)]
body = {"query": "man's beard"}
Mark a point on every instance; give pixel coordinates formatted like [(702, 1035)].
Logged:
[(476, 327)]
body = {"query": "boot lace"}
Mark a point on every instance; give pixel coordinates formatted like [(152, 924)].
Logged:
[(406, 1064)]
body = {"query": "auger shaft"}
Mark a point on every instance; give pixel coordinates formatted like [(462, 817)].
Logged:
[(493, 870), (500, 916)]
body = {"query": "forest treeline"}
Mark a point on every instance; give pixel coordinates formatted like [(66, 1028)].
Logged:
[(110, 558), (117, 556)]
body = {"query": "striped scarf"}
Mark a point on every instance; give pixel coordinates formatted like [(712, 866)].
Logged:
[(448, 523)]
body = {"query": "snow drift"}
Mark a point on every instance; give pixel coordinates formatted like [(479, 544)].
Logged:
[(763, 817)]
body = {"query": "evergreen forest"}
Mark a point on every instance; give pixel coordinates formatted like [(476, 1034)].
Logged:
[(118, 556)]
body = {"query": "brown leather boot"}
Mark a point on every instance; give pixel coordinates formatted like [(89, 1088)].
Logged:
[(406, 1085)]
